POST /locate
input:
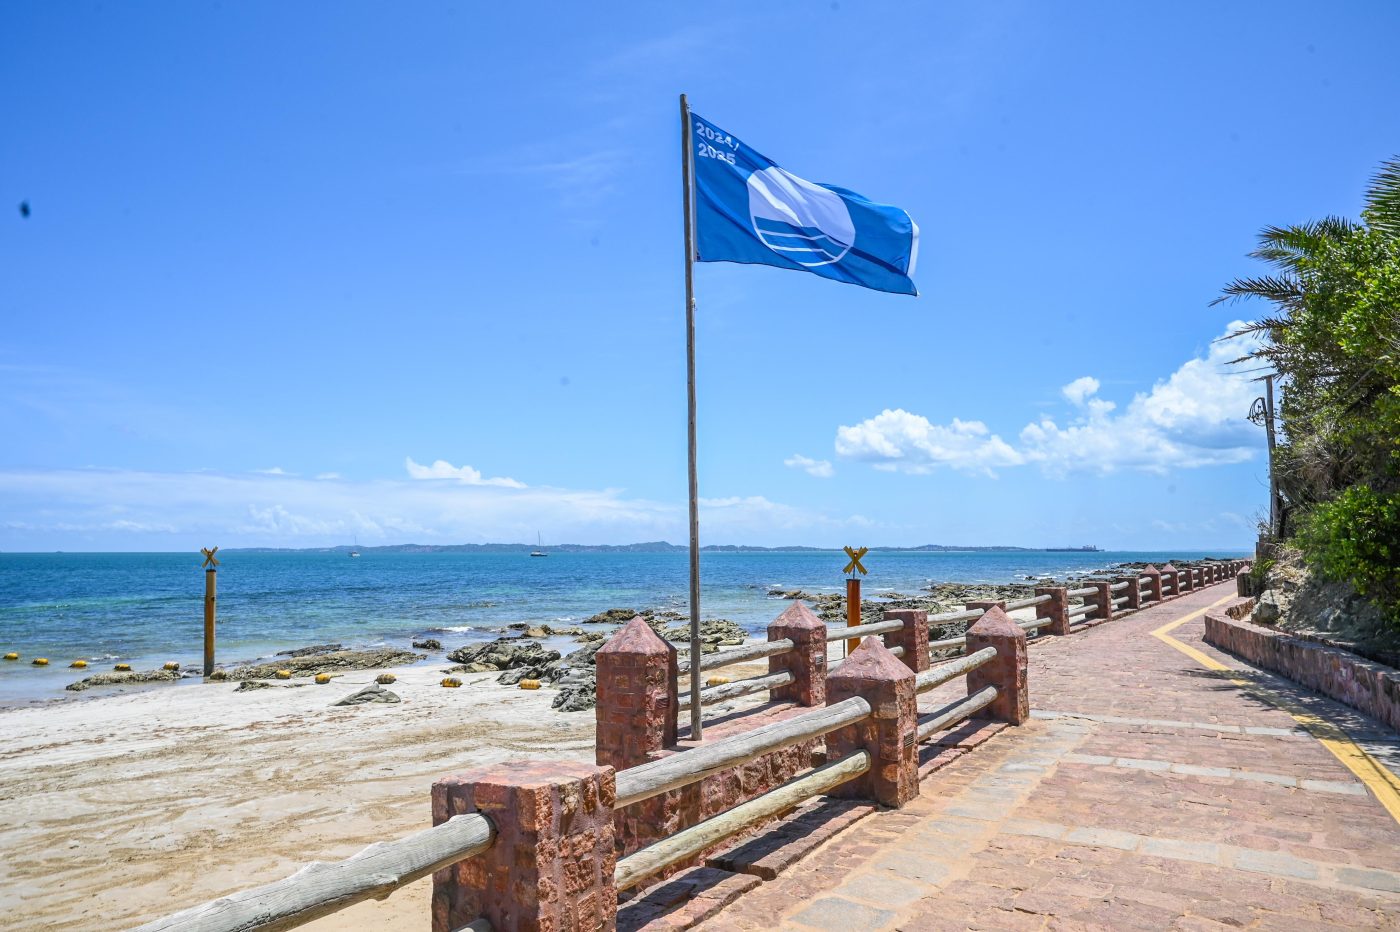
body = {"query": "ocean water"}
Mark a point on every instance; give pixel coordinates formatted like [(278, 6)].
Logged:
[(146, 609)]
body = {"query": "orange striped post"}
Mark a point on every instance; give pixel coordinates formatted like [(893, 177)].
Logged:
[(853, 591)]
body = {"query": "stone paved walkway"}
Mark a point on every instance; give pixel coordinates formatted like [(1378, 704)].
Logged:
[(1147, 792)]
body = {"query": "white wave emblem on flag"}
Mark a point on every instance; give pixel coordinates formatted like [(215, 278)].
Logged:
[(799, 220)]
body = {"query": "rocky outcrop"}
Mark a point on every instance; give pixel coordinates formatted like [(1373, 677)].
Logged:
[(504, 654), (313, 649), (428, 644), (124, 678), (338, 661)]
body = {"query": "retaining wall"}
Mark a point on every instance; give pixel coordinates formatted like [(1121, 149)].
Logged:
[(1370, 687)]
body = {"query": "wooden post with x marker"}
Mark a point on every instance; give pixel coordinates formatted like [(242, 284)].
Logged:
[(853, 591), (211, 574)]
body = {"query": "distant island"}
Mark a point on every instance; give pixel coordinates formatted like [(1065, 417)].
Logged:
[(656, 546)]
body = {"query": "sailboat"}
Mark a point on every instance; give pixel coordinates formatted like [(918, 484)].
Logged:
[(539, 545), (355, 551)]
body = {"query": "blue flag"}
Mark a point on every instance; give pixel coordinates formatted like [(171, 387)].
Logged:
[(747, 209)]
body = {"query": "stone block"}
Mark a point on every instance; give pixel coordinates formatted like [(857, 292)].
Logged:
[(636, 710), (887, 735), (806, 661), (551, 864), (1154, 583), (913, 637), (1006, 671), (1057, 609)]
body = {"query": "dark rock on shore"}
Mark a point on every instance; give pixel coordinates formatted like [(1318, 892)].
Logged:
[(124, 678), (612, 616), (371, 693), (334, 662), (504, 654), (308, 651), (428, 644)]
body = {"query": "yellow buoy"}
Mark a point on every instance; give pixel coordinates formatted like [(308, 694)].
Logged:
[(122, 667), (529, 684), (283, 674), (78, 664), (451, 682), (717, 681), (384, 679), (323, 678), (12, 656), (40, 661), (172, 666)]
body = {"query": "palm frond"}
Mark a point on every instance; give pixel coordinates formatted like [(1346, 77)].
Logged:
[(1382, 211), (1287, 247), (1285, 290)]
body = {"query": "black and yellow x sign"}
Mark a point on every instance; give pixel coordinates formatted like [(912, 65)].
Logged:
[(855, 554), (209, 556)]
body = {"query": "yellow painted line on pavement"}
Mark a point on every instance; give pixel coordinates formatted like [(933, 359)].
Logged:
[(1383, 784)]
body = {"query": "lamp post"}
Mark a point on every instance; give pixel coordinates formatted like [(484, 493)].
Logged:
[(1262, 412)]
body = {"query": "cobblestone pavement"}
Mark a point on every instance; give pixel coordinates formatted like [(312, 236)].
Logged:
[(1147, 792)]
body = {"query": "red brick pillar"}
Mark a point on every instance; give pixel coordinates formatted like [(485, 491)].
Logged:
[(806, 661), (1057, 609), (1133, 591), (888, 735), (551, 865), (913, 637), (1154, 582), (1103, 598), (1168, 581), (636, 710), (1007, 671)]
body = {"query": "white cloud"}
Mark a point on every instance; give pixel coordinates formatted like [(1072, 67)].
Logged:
[(113, 509), (1194, 418), (328, 475), (274, 471), (1080, 389), (819, 468), (442, 469), (899, 440)]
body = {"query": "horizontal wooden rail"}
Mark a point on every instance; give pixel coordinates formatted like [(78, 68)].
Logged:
[(320, 889), (860, 631), (1034, 624), (947, 643), (1084, 609), (737, 688), (956, 711), (739, 654), (686, 767), (1119, 587), (966, 614), (937, 676), (1028, 602), (689, 842), (1081, 593), (1121, 600)]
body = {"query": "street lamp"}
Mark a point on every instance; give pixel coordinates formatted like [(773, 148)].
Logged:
[(1262, 413)]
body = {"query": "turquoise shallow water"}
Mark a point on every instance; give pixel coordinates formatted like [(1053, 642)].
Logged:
[(148, 608)]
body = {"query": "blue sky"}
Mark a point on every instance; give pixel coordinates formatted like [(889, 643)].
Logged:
[(295, 274)]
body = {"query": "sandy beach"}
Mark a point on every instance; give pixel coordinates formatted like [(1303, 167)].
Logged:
[(120, 809)]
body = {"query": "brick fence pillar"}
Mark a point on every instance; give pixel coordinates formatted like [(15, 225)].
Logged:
[(1102, 598), (636, 710), (888, 735), (1167, 578), (1057, 609), (983, 605), (551, 864), (806, 661), (913, 637), (1154, 582), (1133, 591), (1186, 579), (1007, 671)]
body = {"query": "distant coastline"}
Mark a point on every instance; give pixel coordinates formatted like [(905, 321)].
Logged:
[(657, 546)]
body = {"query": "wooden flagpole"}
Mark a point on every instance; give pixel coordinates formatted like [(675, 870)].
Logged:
[(688, 200)]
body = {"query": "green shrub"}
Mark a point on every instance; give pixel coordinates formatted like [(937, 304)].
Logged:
[(1355, 537)]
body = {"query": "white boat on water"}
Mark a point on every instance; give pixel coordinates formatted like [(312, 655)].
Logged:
[(539, 545)]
